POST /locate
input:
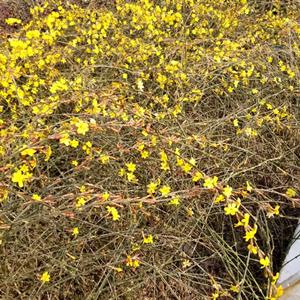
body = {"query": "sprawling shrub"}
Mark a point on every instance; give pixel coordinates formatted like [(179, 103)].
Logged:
[(149, 150)]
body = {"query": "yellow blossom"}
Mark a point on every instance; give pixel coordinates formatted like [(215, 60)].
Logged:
[(190, 212), (132, 262), (114, 213), (82, 127), (148, 239), (186, 167), (227, 191), (275, 278), (13, 21), (45, 277), (210, 183), (118, 269), (193, 162), (151, 187), (236, 123), (165, 190), (175, 201), (197, 176), (75, 163), (131, 177), (131, 167), (290, 192), (244, 222), (75, 231), (145, 154), (80, 202), (252, 249), (186, 263), (273, 211), (249, 188), (219, 198), (235, 288), (250, 234), (231, 209), (21, 175), (74, 143), (104, 158), (265, 262), (105, 196), (36, 197), (48, 153), (122, 172), (28, 151), (279, 292)]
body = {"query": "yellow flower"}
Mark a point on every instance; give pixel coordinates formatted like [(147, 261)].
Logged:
[(175, 201), (290, 192), (250, 234), (80, 202), (113, 211), (82, 127), (45, 277), (279, 292), (252, 249), (75, 163), (148, 239), (131, 167), (235, 288), (219, 199), (12, 21), (215, 295), (249, 188), (197, 176), (104, 158), (163, 156), (227, 191), (151, 187), (33, 34), (74, 143), (75, 231), (122, 172), (28, 151), (118, 269), (65, 139), (273, 211), (48, 153), (210, 183), (36, 197), (186, 168), (244, 222), (186, 263), (131, 177), (105, 196), (236, 123), (132, 262), (190, 212), (275, 278), (265, 262), (231, 209), (145, 154), (193, 162), (164, 166), (179, 162), (21, 175), (165, 190)]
